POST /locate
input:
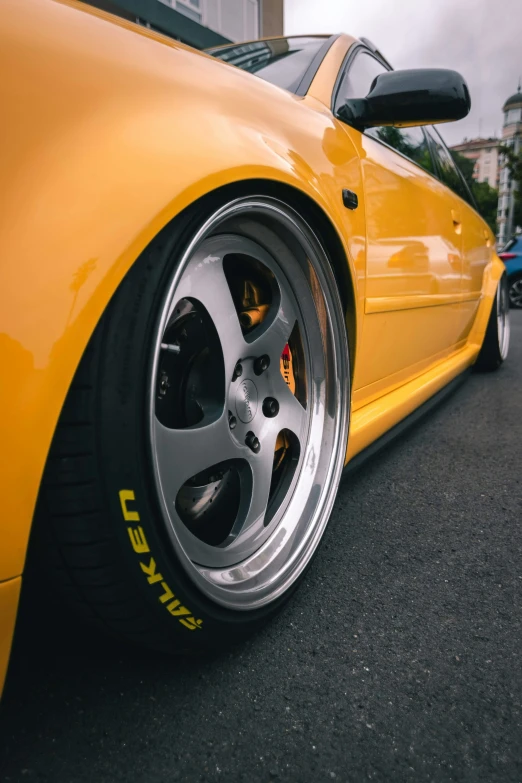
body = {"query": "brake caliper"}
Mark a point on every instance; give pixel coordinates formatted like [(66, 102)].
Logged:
[(287, 368)]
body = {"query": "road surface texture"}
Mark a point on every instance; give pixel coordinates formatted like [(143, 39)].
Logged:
[(400, 657)]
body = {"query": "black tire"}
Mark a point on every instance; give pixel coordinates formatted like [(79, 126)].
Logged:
[(98, 508), (495, 347), (515, 291)]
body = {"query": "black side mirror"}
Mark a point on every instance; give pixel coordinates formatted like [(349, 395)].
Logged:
[(420, 96)]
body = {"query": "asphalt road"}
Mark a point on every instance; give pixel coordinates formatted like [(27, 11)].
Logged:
[(398, 659)]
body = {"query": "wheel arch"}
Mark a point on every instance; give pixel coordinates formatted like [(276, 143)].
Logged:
[(493, 272), (76, 338), (322, 226)]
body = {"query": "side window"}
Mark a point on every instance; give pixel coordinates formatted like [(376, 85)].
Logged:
[(358, 77), (281, 61), (447, 170), (356, 83)]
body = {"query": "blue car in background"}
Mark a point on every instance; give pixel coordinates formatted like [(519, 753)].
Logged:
[(511, 255)]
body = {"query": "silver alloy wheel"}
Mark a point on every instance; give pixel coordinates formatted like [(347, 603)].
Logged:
[(224, 450), (503, 325), (515, 293)]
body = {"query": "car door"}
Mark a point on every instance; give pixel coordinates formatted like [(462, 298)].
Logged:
[(413, 246), (478, 242)]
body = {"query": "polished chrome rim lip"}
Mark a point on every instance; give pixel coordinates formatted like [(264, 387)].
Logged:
[(269, 571), (515, 293), (503, 322)]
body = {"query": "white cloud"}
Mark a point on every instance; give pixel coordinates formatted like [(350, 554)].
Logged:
[(480, 38)]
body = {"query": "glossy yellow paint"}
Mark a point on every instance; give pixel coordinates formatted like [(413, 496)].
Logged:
[(108, 140), (478, 251), (372, 420), (379, 409), (413, 263), (323, 82), (113, 130)]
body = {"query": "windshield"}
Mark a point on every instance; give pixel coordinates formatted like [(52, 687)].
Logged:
[(281, 61)]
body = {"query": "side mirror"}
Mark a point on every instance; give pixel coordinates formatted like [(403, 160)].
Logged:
[(420, 96)]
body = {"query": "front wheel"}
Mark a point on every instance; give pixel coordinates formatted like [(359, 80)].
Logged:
[(200, 448), (495, 347)]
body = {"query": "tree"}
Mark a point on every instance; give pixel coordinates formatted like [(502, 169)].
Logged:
[(465, 166), (485, 196), (487, 203)]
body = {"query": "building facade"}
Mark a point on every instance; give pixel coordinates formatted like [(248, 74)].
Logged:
[(202, 23), (485, 155), (236, 20), (511, 136)]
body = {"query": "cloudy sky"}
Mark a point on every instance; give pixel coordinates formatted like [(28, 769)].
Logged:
[(480, 38)]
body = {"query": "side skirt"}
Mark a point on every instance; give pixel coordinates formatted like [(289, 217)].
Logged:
[(419, 413)]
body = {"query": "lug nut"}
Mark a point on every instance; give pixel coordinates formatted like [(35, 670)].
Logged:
[(270, 407), (238, 371), (261, 364), (252, 442), (232, 421)]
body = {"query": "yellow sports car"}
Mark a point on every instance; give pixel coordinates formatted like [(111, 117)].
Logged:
[(224, 276)]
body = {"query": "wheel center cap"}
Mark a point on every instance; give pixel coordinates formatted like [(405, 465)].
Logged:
[(246, 401)]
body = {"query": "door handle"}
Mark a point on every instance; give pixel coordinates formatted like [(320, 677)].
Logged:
[(457, 224)]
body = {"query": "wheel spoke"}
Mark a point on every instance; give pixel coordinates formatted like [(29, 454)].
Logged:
[(273, 340), (292, 416), (181, 454), (205, 281), (515, 293), (261, 465)]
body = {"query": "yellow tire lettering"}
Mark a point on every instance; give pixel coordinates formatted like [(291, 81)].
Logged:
[(151, 570), (140, 545), (138, 540), (173, 609), (167, 595), (191, 623), (125, 496)]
